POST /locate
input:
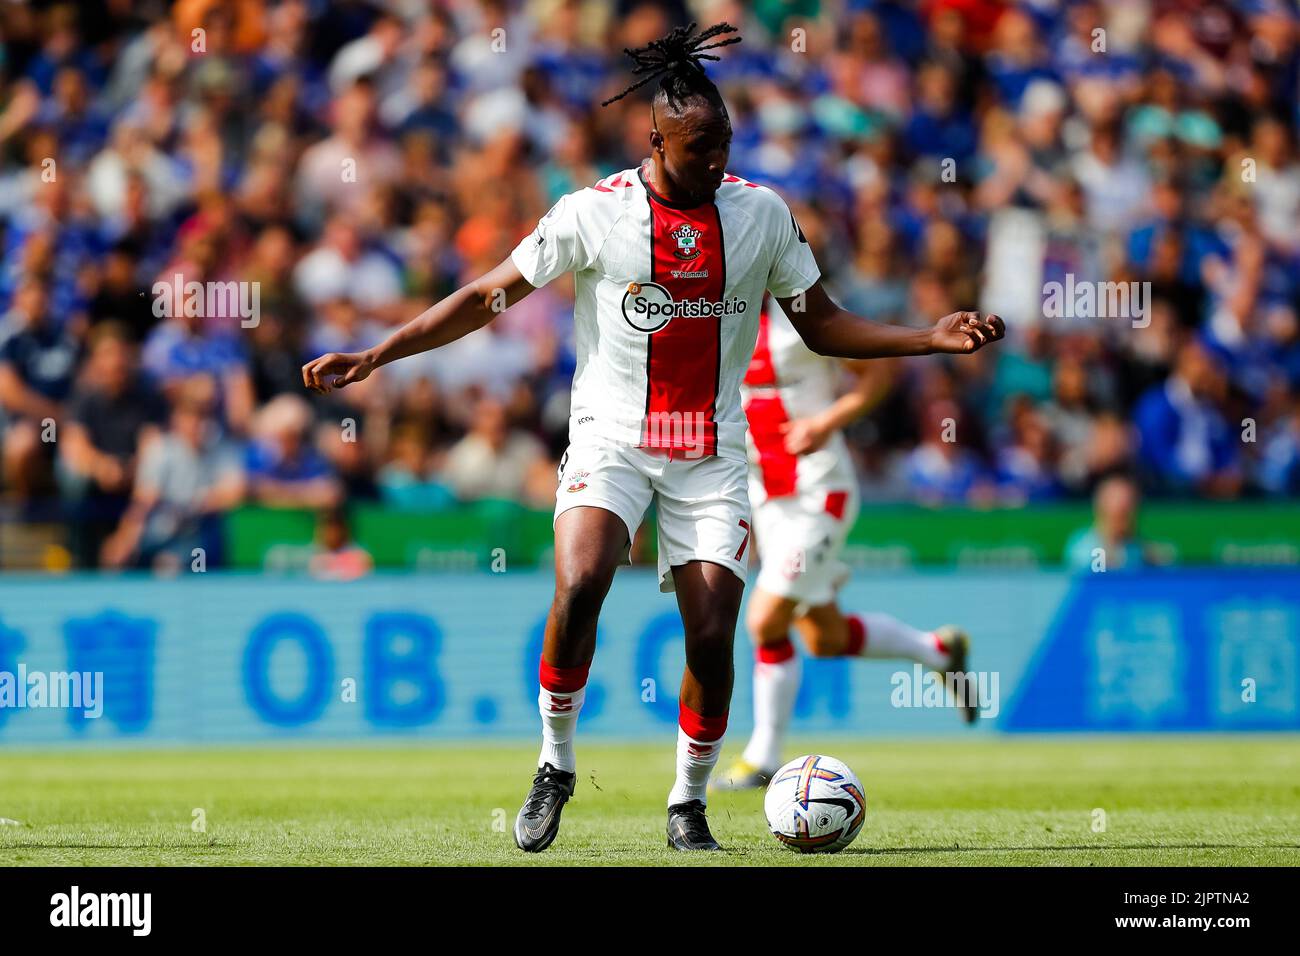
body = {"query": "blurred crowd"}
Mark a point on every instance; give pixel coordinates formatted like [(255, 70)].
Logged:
[(354, 160)]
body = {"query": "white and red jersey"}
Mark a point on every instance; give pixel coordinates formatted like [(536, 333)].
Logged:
[(785, 381), (667, 305)]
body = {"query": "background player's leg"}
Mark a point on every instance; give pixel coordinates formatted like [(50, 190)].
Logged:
[(589, 545), (709, 597), (829, 632), (776, 678)]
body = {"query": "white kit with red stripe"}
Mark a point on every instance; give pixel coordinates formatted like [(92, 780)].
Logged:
[(667, 303), (804, 505), (787, 381)]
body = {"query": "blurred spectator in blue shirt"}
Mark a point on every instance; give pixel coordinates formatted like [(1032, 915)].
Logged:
[(182, 348), (1018, 56), (37, 364), (1279, 468), (79, 125), (1186, 442), (62, 47), (1026, 461), (284, 470), (939, 128), (37, 358), (940, 471)]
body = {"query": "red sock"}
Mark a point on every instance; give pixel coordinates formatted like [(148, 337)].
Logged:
[(698, 727), (857, 637), (775, 653), (699, 741), (563, 679), (564, 689)]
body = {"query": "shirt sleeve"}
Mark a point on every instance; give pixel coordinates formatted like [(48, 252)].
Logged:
[(794, 269), (562, 242)]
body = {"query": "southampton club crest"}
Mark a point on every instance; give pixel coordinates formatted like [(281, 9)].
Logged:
[(578, 481), (688, 238)]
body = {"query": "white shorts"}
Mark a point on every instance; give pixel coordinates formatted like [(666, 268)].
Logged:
[(800, 540), (703, 503)]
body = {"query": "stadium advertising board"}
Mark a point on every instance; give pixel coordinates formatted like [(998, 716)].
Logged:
[(218, 658)]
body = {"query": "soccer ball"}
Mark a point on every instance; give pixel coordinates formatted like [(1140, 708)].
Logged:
[(815, 804)]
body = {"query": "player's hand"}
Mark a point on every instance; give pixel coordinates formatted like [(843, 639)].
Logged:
[(335, 370), (964, 332), (804, 435)]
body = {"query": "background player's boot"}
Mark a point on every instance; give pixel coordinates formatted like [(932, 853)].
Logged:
[(539, 818), (958, 643), (688, 829), (741, 775)]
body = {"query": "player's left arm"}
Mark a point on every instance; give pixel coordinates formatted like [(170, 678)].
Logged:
[(829, 330)]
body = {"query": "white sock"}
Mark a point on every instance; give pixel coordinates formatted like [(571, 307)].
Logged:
[(885, 636), (776, 684), (559, 710), (696, 755)]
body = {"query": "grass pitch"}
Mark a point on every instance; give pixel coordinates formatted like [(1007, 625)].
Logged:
[(1025, 801)]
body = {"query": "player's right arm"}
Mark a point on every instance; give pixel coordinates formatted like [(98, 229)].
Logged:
[(567, 239), (468, 308)]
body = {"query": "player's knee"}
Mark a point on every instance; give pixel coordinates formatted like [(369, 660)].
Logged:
[(710, 663), (578, 596), (713, 632), (709, 647), (765, 627)]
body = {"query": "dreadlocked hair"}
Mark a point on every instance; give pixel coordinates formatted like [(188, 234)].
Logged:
[(677, 61)]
